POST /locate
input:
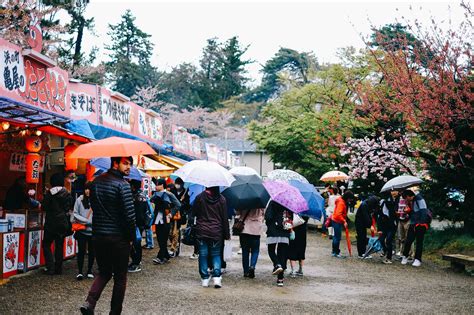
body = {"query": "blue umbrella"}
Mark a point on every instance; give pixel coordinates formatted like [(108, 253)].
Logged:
[(313, 198), (193, 191), (103, 164)]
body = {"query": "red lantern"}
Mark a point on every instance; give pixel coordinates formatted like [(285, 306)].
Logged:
[(71, 164), (33, 144), (90, 171), (33, 161)]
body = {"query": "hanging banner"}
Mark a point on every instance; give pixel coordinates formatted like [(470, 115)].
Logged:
[(83, 101), (12, 78), (222, 156), (18, 162), (146, 186), (34, 246), (212, 152), (115, 113), (149, 125), (10, 253), (195, 145), (180, 140)]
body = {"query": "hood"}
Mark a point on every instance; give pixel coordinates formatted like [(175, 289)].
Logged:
[(58, 190), (211, 198), (372, 202)]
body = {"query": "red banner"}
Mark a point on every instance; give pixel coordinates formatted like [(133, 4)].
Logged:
[(83, 101)]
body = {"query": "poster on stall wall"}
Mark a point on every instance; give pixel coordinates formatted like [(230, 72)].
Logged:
[(82, 99), (28, 81), (146, 186), (11, 242), (149, 125), (212, 152), (195, 143), (222, 156), (114, 113), (18, 162), (180, 140), (34, 248), (19, 220), (69, 249)]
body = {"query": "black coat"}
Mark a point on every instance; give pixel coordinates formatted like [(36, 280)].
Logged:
[(274, 220), (141, 207), (56, 206), (385, 222), (112, 203), (363, 217)]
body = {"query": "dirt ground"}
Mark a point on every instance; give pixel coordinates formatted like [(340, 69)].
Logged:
[(329, 285)]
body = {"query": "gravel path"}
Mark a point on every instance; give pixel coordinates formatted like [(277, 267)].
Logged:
[(330, 285)]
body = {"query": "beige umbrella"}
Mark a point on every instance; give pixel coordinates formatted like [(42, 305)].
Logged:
[(334, 176)]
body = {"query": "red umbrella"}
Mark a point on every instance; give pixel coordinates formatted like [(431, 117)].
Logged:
[(113, 146), (348, 239)]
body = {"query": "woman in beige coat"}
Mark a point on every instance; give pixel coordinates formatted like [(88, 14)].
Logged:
[(250, 238)]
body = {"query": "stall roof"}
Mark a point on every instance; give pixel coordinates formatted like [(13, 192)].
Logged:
[(63, 133), (28, 114), (169, 160)]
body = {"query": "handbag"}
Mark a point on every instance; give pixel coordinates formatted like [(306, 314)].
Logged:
[(189, 236), (76, 226), (138, 235), (328, 222), (239, 225), (297, 220)]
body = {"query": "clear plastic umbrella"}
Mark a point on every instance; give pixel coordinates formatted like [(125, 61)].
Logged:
[(286, 175), (400, 182), (205, 173)]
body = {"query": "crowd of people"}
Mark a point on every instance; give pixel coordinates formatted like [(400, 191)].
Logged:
[(113, 214)]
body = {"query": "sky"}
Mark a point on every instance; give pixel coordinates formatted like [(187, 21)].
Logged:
[(179, 29)]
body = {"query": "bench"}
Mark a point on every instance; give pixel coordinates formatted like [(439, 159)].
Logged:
[(459, 262)]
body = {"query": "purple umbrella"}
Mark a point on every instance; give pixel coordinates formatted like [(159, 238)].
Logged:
[(286, 195)]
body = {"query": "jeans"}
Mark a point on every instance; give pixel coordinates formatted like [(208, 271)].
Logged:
[(162, 234), (136, 252), (250, 249), (279, 256), (112, 258), (84, 241), (387, 241), (418, 233), (336, 240), (53, 265), (149, 237), (209, 248)]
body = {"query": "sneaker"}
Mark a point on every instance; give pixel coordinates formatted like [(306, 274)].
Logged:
[(147, 247), (280, 282), (217, 282), (86, 309), (90, 275), (277, 270), (80, 276), (387, 261), (399, 254), (205, 282), (368, 257), (292, 274), (158, 261), (299, 273), (172, 254), (360, 257), (382, 255), (416, 263), (194, 256), (404, 260), (251, 273), (134, 268), (339, 256)]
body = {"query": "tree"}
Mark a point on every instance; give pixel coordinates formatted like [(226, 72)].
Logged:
[(130, 53)]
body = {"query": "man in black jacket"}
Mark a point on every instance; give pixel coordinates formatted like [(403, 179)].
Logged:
[(114, 228), (363, 221), (387, 223)]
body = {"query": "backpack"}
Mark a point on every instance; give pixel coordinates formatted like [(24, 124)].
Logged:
[(149, 214), (423, 216)]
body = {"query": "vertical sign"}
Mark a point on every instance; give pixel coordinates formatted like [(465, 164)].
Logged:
[(10, 253), (83, 101), (34, 245)]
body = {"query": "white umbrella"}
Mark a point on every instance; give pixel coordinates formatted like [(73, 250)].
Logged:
[(286, 175), (334, 176), (243, 170), (399, 182), (204, 173)]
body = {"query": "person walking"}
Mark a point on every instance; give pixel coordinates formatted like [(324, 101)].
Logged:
[(339, 220), (82, 214), (212, 228), (277, 219), (250, 238), (333, 195), (174, 237), (57, 204), (363, 221), (141, 206), (419, 223), (297, 248), (387, 223), (113, 231)]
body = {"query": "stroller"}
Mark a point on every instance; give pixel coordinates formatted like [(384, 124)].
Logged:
[(373, 246)]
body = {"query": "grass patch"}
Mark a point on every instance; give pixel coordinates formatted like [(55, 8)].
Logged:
[(449, 241)]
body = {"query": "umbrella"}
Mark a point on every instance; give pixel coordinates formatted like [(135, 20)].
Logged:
[(205, 173), (334, 176), (243, 170), (246, 192), (399, 182), (313, 198), (113, 146), (286, 175), (103, 164), (286, 195), (162, 195), (348, 240), (193, 191)]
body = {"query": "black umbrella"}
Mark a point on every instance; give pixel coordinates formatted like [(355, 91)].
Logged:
[(246, 192)]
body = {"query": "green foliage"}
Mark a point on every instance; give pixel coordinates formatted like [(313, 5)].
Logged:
[(451, 240)]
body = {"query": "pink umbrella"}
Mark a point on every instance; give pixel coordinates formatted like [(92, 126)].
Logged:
[(286, 195)]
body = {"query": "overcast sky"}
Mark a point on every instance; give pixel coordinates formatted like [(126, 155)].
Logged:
[(180, 29)]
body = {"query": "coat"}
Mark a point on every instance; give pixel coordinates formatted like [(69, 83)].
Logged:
[(211, 217), (253, 222), (57, 203), (340, 212), (274, 220)]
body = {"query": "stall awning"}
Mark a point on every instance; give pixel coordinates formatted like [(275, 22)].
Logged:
[(169, 160), (154, 168), (28, 114), (63, 133)]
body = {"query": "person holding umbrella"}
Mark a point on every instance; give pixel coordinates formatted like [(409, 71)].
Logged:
[(277, 219), (250, 238), (339, 220)]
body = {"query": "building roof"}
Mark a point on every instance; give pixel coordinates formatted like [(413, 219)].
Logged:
[(234, 145)]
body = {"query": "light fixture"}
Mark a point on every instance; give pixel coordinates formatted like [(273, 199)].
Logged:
[(5, 125), (38, 132), (23, 132)]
